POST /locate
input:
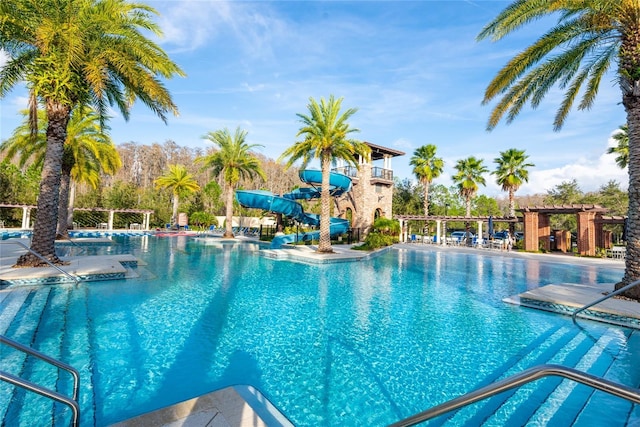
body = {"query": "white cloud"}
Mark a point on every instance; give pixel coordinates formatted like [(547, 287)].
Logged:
[(590, 174), (20, 102), (189, 25)]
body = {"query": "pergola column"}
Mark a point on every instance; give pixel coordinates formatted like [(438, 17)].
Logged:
[(26, 217), (586, 233), (444, 233), (110, 225), (146, 221), (544, 231), (479, 238), (600, 238), (530, 224), (437, 232), (403, 231)]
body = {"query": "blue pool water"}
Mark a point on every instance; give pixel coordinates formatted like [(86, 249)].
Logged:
[(349, 344)]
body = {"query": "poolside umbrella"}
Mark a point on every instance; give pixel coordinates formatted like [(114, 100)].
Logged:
[(490, 226)]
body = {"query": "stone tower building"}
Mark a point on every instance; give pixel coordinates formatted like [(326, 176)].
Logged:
[(372, 193)]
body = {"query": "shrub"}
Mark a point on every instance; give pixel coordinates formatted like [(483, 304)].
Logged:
[(384, 232), (202, 219)]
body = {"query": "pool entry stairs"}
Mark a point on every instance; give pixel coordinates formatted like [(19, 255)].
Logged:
[(550, 401), (24, 310), (554, 401)]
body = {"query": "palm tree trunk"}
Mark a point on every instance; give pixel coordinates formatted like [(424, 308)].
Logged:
[(174, 209), (63, 207), (72, 203), (44, 227), (632, 260), (512, 204), (426, 198), (228, 231), (468, 206), (324, 245)]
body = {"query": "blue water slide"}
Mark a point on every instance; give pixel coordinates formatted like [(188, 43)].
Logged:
[(287, 205)]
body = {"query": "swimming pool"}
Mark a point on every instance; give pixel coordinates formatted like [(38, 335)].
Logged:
[(364, 343)]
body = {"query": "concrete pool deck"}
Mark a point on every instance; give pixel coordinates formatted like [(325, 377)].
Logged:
[(229, 407), (85, 268)]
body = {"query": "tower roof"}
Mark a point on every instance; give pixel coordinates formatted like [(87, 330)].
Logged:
[(378, 152)]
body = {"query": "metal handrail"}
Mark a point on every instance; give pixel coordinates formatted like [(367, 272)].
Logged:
[(60, 237), (71, 276), (599, 300), (43, 391), (517, 380)]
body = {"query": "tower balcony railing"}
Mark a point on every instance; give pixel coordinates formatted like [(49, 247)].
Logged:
[(380, 173), (349, 171), (376, 172)]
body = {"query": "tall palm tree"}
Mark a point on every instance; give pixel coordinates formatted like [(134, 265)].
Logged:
[(325, 135), (73, 53), (589, 37), (622, 149), (511, 173), (468, 176), (88, 152), (234, 161), (180, 182), (426, 167)]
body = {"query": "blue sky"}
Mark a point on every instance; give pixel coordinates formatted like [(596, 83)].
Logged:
[(412, 68)]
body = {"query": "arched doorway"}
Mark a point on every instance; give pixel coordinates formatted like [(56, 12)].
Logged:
[(348, 215)]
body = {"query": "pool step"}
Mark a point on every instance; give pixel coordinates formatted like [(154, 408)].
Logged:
[(48, 305), (16, 307), (76, 352), (539, 352), (11, 303), (28, 308), (603, 404), (568, 351), (553, 401), (557, 400)]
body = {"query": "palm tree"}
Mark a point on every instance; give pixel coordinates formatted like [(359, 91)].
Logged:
[(576, 53), (622, 149), (88, 152), (234, 161), (511, 173), (180, 182), (426, 167), (468, 177), (325, 135), (73, 53)]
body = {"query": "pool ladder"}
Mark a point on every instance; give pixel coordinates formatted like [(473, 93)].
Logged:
[(43, 391), (529, 375)]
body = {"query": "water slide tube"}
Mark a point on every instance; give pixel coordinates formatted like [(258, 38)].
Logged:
[(288, 206)]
